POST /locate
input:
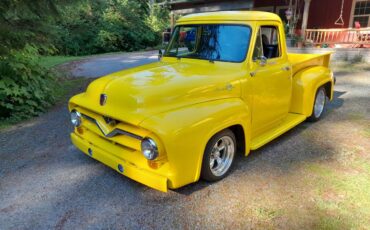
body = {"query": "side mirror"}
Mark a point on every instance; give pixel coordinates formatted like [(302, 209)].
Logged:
[(262, 60), (160, 54)]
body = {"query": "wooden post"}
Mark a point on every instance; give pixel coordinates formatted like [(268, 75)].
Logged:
[(305, 17), (172, 18)]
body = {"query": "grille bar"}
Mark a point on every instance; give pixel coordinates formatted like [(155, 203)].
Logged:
[(114, 132)]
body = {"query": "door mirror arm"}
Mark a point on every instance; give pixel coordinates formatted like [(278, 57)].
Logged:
[(160, 54), (262, 60)]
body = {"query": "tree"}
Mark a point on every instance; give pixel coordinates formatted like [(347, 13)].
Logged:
[(68, 27)]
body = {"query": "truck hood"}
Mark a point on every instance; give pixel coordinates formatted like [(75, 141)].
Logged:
[(135, 94)]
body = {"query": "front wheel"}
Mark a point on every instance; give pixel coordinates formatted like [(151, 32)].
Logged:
[(319, 104), (218, 156)]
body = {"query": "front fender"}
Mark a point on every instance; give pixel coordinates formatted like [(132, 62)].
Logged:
[(305, 84), (185, 132)]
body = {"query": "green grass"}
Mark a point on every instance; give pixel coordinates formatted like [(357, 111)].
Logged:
[(348, 203), (366, 132), (52, 61), (66, 86), (267, 214)]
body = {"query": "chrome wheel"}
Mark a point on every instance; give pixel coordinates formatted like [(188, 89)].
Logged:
[(222, 156), (319, 102)]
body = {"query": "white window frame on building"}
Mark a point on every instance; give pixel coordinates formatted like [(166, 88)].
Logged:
[(359, 14)]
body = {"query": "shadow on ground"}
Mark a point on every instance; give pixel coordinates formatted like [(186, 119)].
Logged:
[(46, 183)]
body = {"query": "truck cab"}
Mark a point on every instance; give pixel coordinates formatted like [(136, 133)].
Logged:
[(225, 84)]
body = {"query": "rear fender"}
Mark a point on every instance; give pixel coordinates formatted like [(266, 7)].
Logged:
[(305, 84)]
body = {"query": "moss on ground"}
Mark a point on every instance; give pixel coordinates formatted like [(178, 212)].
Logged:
[(342, 194)]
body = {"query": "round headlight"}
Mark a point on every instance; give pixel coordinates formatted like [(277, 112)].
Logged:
[(149, 149), (75, 118)]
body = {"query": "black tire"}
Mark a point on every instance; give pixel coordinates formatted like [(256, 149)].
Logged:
[(206, 173), (316, 116)]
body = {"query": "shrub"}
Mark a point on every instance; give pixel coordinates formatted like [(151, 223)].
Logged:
[(90, 27), (26, 88)]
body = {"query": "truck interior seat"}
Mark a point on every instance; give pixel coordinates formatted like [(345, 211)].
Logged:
[(270, 51)]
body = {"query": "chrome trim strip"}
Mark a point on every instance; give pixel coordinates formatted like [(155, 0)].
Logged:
[(115, 132)]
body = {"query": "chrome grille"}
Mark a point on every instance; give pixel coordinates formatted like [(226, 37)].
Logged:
[(114, 132)]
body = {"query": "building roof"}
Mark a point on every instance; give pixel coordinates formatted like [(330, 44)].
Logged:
[(175, 3), (231, 16), (199, 6)]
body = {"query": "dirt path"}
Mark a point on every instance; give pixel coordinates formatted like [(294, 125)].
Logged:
[(315, 176)]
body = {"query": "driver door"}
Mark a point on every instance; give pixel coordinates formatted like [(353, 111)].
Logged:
[(271, 79)]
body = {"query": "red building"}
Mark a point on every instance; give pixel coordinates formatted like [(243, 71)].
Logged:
[(336, 23), (322, 13)]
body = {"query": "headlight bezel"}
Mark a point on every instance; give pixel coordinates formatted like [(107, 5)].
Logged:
[(149, 148), (76, 118)]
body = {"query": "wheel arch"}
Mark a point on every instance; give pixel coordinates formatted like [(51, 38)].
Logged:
[(185, 135), (239, 133), (305, 84), (242, 142), (239, 125), (328, 89)]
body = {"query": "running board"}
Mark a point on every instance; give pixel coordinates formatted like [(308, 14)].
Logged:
[(289, 122)]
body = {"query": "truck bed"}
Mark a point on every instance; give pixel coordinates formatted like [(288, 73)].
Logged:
[(302, 61)]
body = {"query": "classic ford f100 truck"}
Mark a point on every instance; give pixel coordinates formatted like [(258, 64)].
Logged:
[(224, 84)]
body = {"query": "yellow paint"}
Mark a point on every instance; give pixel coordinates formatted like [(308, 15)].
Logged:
[(231, 16), (287, 123), (182, 103)]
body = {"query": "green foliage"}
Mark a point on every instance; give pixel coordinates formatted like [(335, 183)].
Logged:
[(29, 29), (82, 27), (107, 26), (25, 22), (159, 18), (26, 88)]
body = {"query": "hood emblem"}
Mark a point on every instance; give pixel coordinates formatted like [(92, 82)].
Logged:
[(103, 99)]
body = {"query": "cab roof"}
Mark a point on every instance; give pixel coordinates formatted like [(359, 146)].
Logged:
[(231, 16)]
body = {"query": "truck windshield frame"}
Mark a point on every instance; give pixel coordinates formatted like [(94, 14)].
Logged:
[(213, 42)]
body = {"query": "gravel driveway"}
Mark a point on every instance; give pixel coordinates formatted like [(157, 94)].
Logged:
[(100, 65), (46, 183)]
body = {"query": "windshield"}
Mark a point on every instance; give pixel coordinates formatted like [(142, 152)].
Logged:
[(211, 42)]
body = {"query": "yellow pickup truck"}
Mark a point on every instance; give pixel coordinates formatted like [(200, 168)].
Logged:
[(224, 84)]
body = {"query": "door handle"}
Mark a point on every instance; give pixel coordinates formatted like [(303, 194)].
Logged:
[(286, 68)]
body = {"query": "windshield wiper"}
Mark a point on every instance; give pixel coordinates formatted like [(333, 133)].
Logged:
[(212, 60)]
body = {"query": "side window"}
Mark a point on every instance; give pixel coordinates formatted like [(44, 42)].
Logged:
[(270, 41), (258, 48), (267, 43)]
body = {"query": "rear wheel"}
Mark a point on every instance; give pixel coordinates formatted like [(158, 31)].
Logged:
[(218, 156), (319, 104)]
